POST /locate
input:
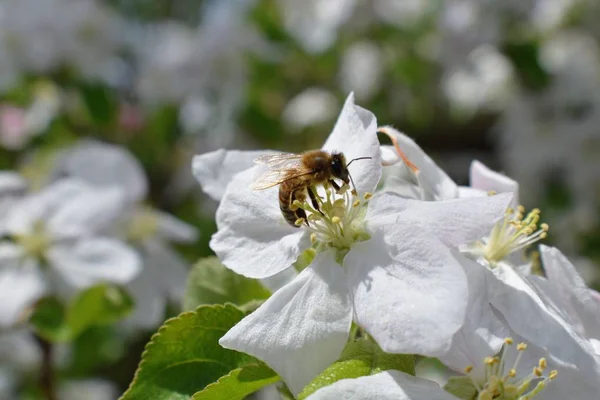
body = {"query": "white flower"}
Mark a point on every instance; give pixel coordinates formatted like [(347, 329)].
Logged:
[(501, 304), (57, 228), (150, 230), (383, 260), (387, 385), (89, 389)]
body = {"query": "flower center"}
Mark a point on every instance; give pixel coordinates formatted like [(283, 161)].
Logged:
[(501, 381), (142, 225), (339, 222), (36, 242), (514, 232)]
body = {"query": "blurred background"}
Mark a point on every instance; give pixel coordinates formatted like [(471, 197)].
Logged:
[(512, 83)]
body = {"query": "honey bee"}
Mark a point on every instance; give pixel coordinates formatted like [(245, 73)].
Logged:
[(298, 174)]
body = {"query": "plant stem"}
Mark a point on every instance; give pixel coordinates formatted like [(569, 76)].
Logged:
[(46, 377)]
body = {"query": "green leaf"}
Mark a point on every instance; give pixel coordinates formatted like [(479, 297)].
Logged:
[(99, 102), (49, 320), (239, 383), (185, 355), (98, 305), (360, 358), (461, 387), (210, 282)]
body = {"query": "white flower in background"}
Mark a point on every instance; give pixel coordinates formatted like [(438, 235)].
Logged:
[(375, 259), (362, 69), (150, 230), (311, 107), (387, 385), (55, 233), (88, 389), (314, 24), (41, 37)]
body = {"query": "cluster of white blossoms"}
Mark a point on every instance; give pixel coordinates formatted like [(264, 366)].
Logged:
[(419, 264), (85, 223)]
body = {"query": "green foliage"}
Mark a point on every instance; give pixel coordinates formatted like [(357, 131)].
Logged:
[(461, 387), (100, 103), (210, 282), (98, 305), (360, 358), (239, 383), (185, 355)]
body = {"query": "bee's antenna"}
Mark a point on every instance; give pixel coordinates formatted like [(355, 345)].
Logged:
[(359, 158), (352, 180)]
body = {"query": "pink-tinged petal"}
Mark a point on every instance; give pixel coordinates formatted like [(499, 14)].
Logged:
[(454, 222), (96, 260), (302, 328), (215, 170), (253, 238), (408, 290), (485, 179), (355, 135), (483, 333), (436, 183), (387, 385)]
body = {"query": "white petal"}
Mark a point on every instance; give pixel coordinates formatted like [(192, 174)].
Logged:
[(150, 303), (168, 268), (387, 385), (528, 316), (90, 211), (485, 179), (9, 252), (440, 185), (279, 280), (40, 206), (355, 135), (11, 182), (102, 164), (20, 287), (215, 170), (173, 229), (454, 222), (94, 261), (253, 239), (409, 292), (483, 333), (302, 328)]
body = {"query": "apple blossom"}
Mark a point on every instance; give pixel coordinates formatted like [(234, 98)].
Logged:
[(387, 385), (382, 259), (56, 231)]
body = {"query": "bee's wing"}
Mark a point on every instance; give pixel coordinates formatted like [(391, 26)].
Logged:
[(271, 178), (281, 161)]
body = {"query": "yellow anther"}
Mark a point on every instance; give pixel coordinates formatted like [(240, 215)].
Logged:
[(297, 204), (510, 211), (542, 363), (299, 222), (543, 235), (356, 203), (508, 341), (552, 374), (521, 209), (485, 395), (368, 195), (512, 372), (545, 227), (489, 361), (336, 220), (354, 193), (313, 238), (522, 346), (491, 193), (468, 369), (537, 371)]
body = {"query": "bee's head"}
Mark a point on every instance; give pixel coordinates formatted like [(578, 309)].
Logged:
[(339, 169)]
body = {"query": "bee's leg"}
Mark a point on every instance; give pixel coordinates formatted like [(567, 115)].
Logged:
[(313, 199), (335, 185)]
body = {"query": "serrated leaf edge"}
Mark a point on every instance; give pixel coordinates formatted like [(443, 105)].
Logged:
[(152, 342)]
